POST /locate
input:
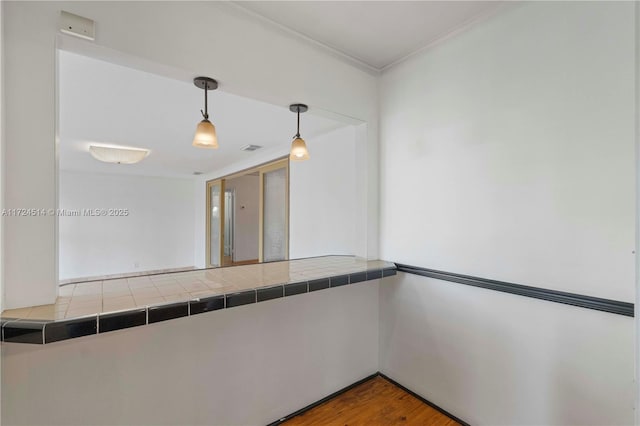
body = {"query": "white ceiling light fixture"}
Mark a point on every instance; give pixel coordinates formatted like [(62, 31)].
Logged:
[(299, 151), (205, 136), (110, 154)]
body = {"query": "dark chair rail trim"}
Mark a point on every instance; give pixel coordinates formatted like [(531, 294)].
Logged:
[(580, 300)]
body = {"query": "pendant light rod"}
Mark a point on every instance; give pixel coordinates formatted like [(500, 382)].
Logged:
[(298, 129), (205, 114), (298, 108), (206, 84)]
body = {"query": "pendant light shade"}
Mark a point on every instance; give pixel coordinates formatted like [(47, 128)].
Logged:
[(299, 151), (205, 136)]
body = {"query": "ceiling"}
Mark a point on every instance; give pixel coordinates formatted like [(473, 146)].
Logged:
[(376, 33), (104, 103)]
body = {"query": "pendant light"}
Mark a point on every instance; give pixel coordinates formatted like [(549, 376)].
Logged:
[(205, 136), (299, 150)]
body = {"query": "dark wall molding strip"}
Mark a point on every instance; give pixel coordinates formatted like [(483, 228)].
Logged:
[(574, 299)]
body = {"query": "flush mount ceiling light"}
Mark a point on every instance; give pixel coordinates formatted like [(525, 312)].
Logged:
[(205, 136), (299, 150), (109, 154)]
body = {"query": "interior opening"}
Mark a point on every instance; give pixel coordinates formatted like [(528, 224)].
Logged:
[(120, 218)]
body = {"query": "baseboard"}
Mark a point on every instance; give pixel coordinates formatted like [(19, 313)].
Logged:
[(323, 400), (426, 401), (359, 382)]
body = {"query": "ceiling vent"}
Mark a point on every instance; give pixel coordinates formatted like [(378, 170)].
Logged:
[(250, 147)]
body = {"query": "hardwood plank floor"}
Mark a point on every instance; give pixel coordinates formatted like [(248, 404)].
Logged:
[(374, 402)]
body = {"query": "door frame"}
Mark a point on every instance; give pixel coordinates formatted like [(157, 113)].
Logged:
[(276, 165), (209, 184)]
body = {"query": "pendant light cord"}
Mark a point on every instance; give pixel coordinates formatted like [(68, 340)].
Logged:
[(298, 131)]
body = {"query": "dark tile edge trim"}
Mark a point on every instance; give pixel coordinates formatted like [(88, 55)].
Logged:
[(33, 331), (358, 383), (269, 293), (122, 320), (240, 298), (424, 400), (71, 328), (293, 289), (574, 299), (339, 280), (167, 311), (319, 284), (207, 304)]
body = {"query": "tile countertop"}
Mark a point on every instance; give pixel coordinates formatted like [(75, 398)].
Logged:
[(100, 306)]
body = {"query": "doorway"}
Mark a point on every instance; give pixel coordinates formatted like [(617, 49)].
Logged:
[(248, 216)]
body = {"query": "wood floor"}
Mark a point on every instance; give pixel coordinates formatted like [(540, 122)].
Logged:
[(374, 402), (240, 262)]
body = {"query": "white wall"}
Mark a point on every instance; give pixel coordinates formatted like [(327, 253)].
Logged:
[(494, 358), (507, 152), (323, 197), (156, 234), (2, 180), (637, 144), (248, 365), (248, 57), (246, 217), (2, 155)]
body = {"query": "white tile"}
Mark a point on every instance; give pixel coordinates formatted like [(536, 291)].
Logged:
[(66, 290)]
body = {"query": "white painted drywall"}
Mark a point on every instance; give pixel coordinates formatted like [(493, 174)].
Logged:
[(494, 358), (157, 233), (2, 181), (2, 156), (323, 197), (508, 152), (247, 216), (247, 57), (248, 365), (637, 144)]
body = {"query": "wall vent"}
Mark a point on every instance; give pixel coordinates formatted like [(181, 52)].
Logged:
[(250, 147)]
